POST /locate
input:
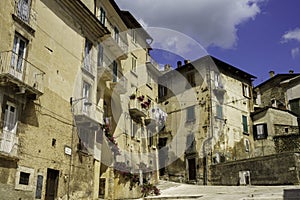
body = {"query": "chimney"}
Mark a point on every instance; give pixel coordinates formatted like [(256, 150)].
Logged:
[(179, 64), (271, 74), (291, 71), (167, 67), (186, 61)]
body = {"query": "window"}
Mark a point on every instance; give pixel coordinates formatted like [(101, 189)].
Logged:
[(162, 91), (150, 137), (100, 55), (191, 79), (134, 128), (102, 16), (10, 117), (247, 145), (295, 106), (117, 34), (190, 114), (260, 131), (219, 112), (18, 55), (133, 63), (133, 35), (86, 93), (24, 10), (115, 71), (87, 55), (190, 142), (246, 90), (245, 124), (24, 178), (216, 79)]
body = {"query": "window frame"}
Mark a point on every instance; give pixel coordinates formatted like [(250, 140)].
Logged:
[(264, 129), (133, 63), (7, 125), (245, 124), (86, 94), (190, 114), (102, 15), (246, 90)]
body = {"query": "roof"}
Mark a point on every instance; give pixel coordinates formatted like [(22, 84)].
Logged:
[(270, 107), (221, 65), (277, 78), (132, 23)]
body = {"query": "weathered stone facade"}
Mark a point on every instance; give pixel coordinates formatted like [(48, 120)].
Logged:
[(277, 169), (208, 104)]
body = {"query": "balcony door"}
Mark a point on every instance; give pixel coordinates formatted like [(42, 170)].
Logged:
[(86, 93), (17, 58), (9, 128)]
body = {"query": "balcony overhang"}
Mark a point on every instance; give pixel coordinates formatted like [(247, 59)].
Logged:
[(83, 120), (89, 23), (104, 73), (23, 79), (119, 50)]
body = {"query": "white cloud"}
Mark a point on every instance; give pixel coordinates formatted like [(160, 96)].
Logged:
[(211, 22), (295, 52), (291, 35)]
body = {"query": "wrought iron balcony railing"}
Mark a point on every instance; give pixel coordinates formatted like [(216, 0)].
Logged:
[(17, 70)]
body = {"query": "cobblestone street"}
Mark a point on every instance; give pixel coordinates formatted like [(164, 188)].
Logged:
[(170, 190)]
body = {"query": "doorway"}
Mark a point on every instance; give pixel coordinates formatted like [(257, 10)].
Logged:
[(51, 184), (192, 169)]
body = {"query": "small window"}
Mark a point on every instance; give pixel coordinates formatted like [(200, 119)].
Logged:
[(133, 35), (117, 34), (190, 114), (24, 178), (217, 79), (245, 124), (247, 145), (133, 63), (162, 91), (102, 16), (246, 90), (86, 93), (134, 128), (100, 55), (191, 79), (150, 137), (260, 131), (115, 71), (219, 112), (190, 142), (87, 55)]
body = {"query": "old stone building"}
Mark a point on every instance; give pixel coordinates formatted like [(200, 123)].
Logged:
[(208, 103), (64, 75)]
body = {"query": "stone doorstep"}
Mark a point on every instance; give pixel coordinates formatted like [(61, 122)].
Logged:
[(174, 197)]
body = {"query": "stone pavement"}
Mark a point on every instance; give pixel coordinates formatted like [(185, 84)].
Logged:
[(171, 190)]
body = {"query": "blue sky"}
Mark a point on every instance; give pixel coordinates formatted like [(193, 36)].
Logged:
[(254, 35)]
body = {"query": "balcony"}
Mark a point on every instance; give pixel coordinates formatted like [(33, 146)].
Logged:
[(150, 119), (85, 114), (25, 15), (119, 85), (116, 42), (136, 109), (20, 75)]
